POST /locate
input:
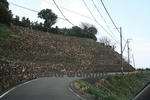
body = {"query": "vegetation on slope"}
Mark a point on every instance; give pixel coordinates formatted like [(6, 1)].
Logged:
[(39, 47), (4, 31), (114, 87)]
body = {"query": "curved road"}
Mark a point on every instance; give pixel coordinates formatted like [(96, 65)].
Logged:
[(43, 89)]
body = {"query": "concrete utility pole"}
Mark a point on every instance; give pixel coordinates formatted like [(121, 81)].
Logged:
[(121, 56), (133, 60), (128, 51)]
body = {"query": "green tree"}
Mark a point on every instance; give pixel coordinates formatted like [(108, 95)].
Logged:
[(49, 18), (5, 14), (16, 20), (89, 30), (5, 3), (25, 22), (37, 26)]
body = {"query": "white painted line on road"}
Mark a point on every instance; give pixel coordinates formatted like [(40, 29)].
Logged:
[(15, 88), (76, 94), (6, 92)]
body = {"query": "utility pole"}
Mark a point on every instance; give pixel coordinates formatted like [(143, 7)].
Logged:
[(121, 50), (121, 56), (128, 51), (133, 60)]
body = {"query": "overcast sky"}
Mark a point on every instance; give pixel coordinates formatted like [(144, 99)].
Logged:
[(132, 15)]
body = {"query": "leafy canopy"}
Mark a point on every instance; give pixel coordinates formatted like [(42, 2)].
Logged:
[(5, 14), (49, 18)]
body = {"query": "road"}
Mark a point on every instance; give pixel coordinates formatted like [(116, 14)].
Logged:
[(43, 89)]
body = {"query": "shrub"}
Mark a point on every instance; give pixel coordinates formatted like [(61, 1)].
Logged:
[(4, 31), (5, 14)]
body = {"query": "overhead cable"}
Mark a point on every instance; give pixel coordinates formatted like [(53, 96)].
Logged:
[(96, 20), (62, 13)]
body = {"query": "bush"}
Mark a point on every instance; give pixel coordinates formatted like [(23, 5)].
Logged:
[(5, 15), (116, 87), (4, 31)]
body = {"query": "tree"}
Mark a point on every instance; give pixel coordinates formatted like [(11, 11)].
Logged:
[(16, 20), (49, 18), (107, 42), (90, 30), (37, 26), (25, 22), (5, 3), (5, 14)]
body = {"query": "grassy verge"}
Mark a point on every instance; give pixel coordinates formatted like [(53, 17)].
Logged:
[(115, 87)]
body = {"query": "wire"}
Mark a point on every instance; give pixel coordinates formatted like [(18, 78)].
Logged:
[(102, 18), (24, 7), (62, 13), (110, 16), (96, 20), (74, 12), (64, 16), (78, 14), (30, 9)]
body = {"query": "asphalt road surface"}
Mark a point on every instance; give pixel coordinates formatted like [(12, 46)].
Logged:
[(43, 89)]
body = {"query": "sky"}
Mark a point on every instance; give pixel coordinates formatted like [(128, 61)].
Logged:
[(132, 15)]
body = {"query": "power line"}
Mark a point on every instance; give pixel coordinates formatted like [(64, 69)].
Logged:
[(66, 9), (62, 13), (82, 16), (76, 13), (102, 17), (64, 16), (110, 16), (89, 10), (24, 7), (96, 20), (79, 15), (30, 9)]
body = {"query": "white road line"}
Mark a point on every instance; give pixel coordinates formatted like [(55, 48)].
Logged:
[(6, 92), (15, 88), (76, 94)]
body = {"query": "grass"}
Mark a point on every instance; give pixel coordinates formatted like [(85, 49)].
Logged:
[(4, 32), (28, 62), (31, 53), (116, 87)]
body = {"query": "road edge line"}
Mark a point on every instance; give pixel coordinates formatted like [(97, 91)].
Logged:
[(8, 91)]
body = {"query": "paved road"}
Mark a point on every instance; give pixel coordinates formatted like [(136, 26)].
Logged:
[(43, 89)]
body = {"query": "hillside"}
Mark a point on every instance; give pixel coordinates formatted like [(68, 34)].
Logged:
[(27, 54), (28, 46)]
